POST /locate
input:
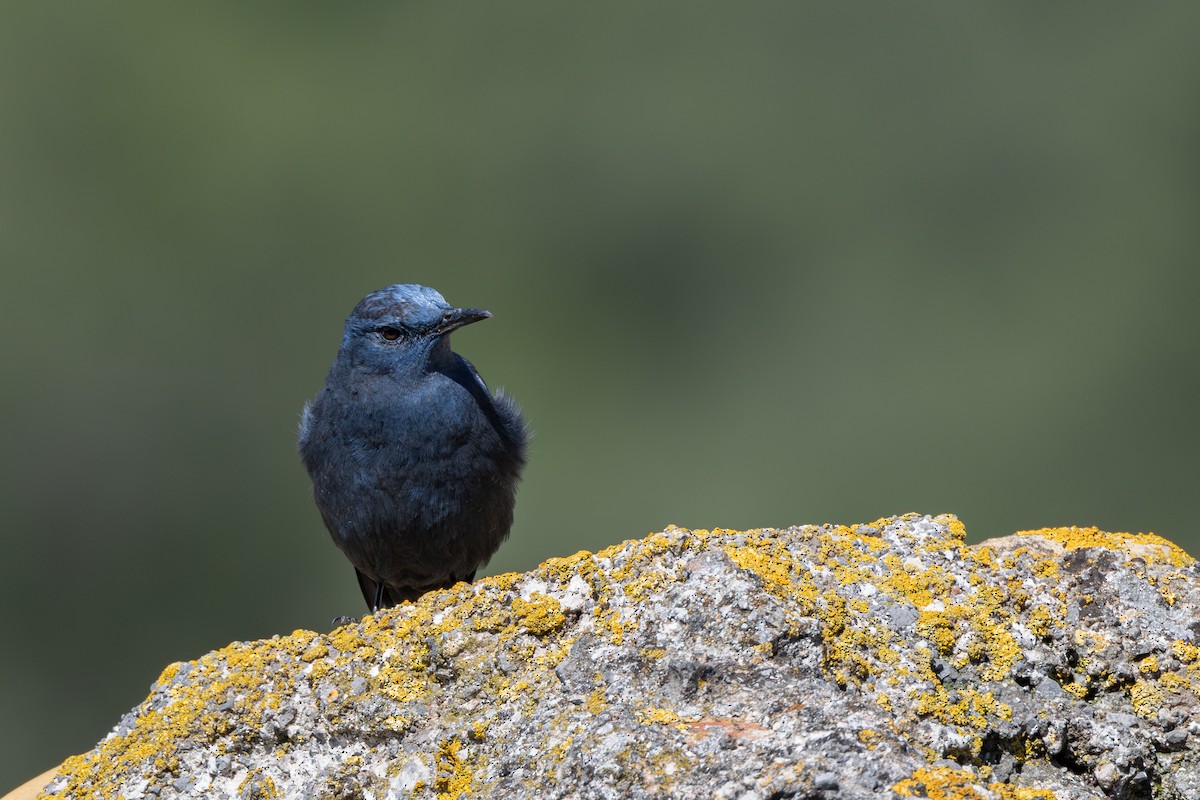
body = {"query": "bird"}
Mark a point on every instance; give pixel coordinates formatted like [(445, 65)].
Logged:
[(414, 461)]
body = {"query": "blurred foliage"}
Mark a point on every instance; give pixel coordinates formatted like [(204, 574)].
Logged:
[(751, 264)]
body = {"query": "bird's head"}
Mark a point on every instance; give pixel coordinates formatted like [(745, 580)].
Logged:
[(403, 323)]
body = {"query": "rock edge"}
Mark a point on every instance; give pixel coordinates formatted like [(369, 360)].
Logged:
[(887, 659)]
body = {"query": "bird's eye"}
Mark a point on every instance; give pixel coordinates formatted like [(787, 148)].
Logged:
[(389, 333)]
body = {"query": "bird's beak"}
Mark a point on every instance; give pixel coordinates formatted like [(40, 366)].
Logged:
[(455, 318)]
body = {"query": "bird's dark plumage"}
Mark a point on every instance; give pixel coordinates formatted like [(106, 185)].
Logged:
[(414, 461)]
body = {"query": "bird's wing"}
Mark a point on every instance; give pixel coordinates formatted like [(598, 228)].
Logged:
[(501, 410), (475, 374)]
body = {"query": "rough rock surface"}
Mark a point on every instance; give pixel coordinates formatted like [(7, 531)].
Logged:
[(887, 659)]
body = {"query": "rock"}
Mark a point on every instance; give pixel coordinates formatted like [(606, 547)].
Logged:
[(887, 660)]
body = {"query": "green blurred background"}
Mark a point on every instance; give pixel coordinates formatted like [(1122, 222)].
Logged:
[(750, 264)]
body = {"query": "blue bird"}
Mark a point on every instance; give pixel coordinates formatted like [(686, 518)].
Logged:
[(414, 461)]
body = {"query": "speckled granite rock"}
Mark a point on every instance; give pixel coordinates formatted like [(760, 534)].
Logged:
[(815, 662)]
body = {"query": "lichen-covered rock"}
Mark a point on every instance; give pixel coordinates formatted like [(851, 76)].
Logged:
[(887, 659)]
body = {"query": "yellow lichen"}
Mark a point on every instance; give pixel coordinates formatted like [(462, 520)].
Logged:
[(967, 708), (318, 650), (1045, 568), (596, 701), (1186, 652), (661, 716), (1092, 640), (539, 614), (1080, 690), (614, 625), (771, 562), (454, 774), (954, 525), (257, 785), (1174, 682), (1144, 545), (1039, 621), (871, 738), (1146, 698), (947, 783)]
